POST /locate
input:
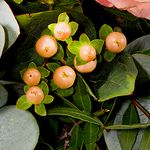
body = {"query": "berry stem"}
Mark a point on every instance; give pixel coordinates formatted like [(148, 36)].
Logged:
[(44, 63)]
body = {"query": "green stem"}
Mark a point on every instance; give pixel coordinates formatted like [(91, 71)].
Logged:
[(134, 102)]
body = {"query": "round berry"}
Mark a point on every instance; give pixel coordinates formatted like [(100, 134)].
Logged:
[(32, 76), (87, 53), (86, 68), (62, 30), (64, 77), (46, 46), (116, 42), (35, 95)]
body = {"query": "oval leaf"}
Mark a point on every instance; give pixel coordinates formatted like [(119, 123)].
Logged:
[(40, 109), (3, 95), (19, 127), (84, 39)]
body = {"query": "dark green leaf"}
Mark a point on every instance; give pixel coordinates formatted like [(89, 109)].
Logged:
[(52, 66), (104, 31), (145, 142), (44, 72), (23, 103), (116, 78), (65, 92), (32, 65), (80, 97), (109, 56), (53, 86), (75, 113), (127, 137)]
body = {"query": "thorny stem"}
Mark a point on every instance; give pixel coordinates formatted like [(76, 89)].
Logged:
[(134, 102)]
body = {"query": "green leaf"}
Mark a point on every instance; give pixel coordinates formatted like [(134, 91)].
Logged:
[(89, 135), (18, 1), (75, 113), (51, 26), (40, 109), (63, 17), (79, 60), (109, 56), (81, 98), (10, 25), (23, 103), (127, 137), (44, 72), (97, 44), (76, 138), (52, 66), (46, 32), (65, 92), (20, 123), (145, 142), (68, 40), (32, 65), (26, 88), (3, 95), (48, 99), (60, 53), (74, 47), (74, 27), (53, 86), (116, 78), (104, 31), (2, 39), (44, 87), (84, 39), (133, 126)]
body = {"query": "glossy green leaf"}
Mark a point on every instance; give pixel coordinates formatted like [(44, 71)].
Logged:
[(65, 92), (97, 44), (52, 66), (44, 72), (23, 103), (133, 126), (145, 142), (75, 113), (74, 27), (63, 17), (116, 78), (10, 25), (44, 87), (2, 39), (89, 135), (3, 95), (68, 40), (60, 53), (104, 31), (84, 39), (81, 98), (109, 56), (79, 60), (76, 138), (74, 47), (18, 126), (51, 26), (18, 1), (40, 109), (127, 137), (48, 99)]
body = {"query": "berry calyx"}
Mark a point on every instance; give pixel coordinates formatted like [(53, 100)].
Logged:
[(87, 53), (32, 76), (64, 77), (116, 42), (46, 46), (35, 95), (62, 30), (86, 68)]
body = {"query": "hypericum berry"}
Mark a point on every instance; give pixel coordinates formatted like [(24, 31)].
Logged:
[(87, 53), (86, 68), (46, 46), (116, 42), (64, 77), (35, 95), (32, 76), (62, 30)]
